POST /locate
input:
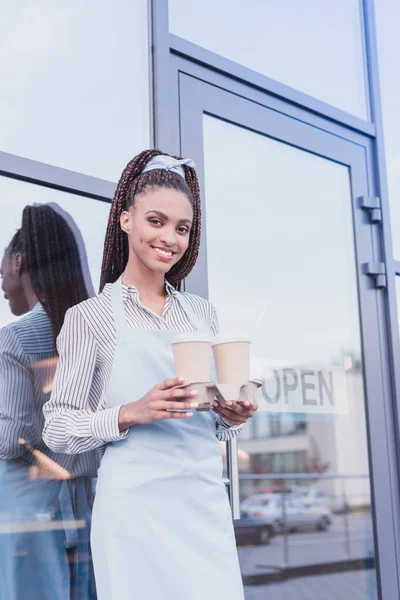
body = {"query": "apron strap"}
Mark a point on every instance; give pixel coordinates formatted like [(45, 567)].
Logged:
[(193, 317), (118, 308)]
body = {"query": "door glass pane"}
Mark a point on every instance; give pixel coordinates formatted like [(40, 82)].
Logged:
[(387, 30), (88, 218), (75, 84), (315, 47), (289, 282)]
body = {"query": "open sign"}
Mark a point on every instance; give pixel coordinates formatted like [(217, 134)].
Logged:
[(305, 390)]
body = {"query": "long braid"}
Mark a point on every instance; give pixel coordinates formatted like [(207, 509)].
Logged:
[(115, 254), (52, 261), (132, 183), (182, 268)]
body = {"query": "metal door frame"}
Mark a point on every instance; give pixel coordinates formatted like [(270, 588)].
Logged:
[(196, 98)]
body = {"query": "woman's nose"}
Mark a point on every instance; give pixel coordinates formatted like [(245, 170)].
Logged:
[(168, 237)]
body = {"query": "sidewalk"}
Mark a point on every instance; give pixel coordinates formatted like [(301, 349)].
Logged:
[(357, 585)]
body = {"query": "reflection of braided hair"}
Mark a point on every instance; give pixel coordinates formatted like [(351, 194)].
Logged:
[(50, 256), (131, 183)]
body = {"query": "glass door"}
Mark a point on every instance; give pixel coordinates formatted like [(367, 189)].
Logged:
[(288, 259)]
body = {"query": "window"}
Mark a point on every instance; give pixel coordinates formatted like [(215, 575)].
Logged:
[(75, 83), (315, 47)]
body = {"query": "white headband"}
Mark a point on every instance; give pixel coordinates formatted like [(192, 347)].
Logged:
[(168, 163)]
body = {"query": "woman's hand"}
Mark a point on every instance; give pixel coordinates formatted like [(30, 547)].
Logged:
[(155, 405), (235, 413)]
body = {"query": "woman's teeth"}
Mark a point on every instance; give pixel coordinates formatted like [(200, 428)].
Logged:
[(163, 252)]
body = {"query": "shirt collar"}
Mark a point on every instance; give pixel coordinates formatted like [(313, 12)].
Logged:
[(131, 289), (37, 308)]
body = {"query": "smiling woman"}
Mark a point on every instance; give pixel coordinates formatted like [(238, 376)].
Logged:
[(161, 457), (166, 184), (165, 236)]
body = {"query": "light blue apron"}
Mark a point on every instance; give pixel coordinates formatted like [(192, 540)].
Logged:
[(162, 526)]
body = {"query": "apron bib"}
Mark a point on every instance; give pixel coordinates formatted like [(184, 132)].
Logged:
[(162, 526)]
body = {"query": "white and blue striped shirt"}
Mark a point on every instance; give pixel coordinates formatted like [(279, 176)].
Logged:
[(76, 416), (27, 365)]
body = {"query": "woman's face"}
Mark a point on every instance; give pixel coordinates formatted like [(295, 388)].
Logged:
[(12, 284), (158, 228)]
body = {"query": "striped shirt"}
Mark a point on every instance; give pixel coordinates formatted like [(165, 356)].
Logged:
[(27, 366), (76, 417)]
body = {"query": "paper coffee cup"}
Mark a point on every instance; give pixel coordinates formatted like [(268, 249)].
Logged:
[(232, 360), (192, 356)]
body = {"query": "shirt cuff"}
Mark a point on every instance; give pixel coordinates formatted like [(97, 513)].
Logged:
[(104, 425)]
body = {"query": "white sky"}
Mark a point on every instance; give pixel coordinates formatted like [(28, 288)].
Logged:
[(314, 46), (75, 83)]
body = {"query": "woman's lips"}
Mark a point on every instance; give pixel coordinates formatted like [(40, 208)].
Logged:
[(164, 255)]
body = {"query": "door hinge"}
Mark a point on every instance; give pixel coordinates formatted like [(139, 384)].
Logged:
[(373, 205), (378, 271)]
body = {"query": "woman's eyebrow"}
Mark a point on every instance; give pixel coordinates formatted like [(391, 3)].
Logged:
[(165, 217), (160, 214)]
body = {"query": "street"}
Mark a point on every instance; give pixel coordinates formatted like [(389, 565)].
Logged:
[(339, 542), (349, 537)]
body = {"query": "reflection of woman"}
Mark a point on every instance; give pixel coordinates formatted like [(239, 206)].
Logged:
[(161, 524), (41, 276)]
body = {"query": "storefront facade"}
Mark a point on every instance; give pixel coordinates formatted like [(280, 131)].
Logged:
[(289, 111)]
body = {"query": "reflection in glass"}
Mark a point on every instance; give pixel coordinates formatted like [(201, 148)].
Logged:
[(90, 217), (312, 46), (45, 498), (387, 29), (292, 265), (75, 85)]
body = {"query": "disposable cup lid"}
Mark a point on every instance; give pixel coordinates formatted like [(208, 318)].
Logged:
[(228, 340), (191, 337)]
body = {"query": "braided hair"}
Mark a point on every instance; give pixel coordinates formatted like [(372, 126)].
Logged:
[(132, 183), (50, 257)]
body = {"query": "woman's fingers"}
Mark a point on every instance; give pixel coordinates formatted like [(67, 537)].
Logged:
[(171, 394), (168, 405), (246, 408), (235, 412), (251, 404), (170, 383), (178, 415), (233, 417)]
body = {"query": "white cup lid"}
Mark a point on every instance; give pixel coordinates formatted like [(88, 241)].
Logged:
[(192, 336), (220, 339)]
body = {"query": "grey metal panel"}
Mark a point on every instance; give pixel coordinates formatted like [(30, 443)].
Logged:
[(388, 304), (191, 137), (185, 66), (165, 85), (239, 111), (235, 71), (233, 477), (33, 171), (387, 336)]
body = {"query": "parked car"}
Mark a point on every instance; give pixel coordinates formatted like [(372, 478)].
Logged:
[(287, 512), (315, 496), (249, 530)]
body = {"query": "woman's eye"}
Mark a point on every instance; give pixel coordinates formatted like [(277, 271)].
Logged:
[(155, 221), (183, 230)]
